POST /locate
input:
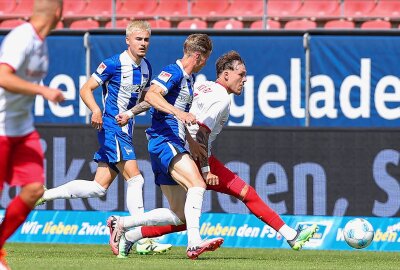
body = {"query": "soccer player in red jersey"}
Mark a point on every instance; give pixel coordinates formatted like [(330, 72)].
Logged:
[(23, 64)]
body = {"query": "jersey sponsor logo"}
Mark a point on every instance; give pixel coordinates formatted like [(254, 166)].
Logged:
[(204, 88), (101, 68), (133, 88), (164, 76)]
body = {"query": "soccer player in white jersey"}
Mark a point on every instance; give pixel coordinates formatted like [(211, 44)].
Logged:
[(171, 95), (23, 64), (211, 106), (122, 77)]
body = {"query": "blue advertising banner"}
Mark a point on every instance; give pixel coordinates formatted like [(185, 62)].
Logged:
[(238, 230), (274, 91), (354, 81)]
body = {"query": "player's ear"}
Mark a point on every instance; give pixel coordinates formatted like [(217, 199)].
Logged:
[(226, 75)]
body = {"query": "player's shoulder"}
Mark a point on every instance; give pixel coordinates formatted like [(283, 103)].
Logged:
[(24, 30), (169, 72)]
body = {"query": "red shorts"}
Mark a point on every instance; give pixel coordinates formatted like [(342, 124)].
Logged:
[(21, 160), (229, 183)]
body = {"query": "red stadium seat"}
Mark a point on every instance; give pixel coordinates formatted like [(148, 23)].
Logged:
[(172, 8), (376, 24), (358, 8), (303, 24), (387, 8), (339, 24), (12, 23), (270, 25), (72, 8), (23, 8), (209, 8), (119, 24), (192, 24), (97, 9), (283, 8), (318, 8), (6, 7), (228, 24), (84, 24), (141, 8), (245, 8), (160, 24)]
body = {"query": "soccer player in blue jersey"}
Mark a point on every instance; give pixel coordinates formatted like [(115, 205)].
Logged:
[(171, 95), (122, 77)]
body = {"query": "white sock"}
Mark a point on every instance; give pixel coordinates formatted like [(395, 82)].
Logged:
[(75, 189), (193, 204), (134, 195), (156, 217), (288, 232), (134, 235)]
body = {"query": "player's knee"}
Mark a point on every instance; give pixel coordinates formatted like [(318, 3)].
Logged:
[(32, 191)]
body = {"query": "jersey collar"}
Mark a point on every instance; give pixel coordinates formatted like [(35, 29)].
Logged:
[(179, 63)]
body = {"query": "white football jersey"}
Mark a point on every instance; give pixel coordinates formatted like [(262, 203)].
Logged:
[(25, 52), (211, 105)]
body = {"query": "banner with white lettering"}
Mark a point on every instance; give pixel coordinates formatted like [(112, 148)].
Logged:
[(354, 81), (348, 172), (238, 230)]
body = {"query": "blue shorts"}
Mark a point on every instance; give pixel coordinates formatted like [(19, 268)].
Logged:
[(162, 151), (115, 146)]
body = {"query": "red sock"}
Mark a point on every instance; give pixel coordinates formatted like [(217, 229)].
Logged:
[(261, 210), (16, 213), (155, 231)]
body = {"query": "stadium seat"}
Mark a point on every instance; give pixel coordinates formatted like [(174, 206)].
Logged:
[(119, 24), (172, 8), (387, 8), (245, 8), (84, 24), (97, 9), (318, 8), (339, 24), (228, 24), (160, 24), (303, 24), (358, 8), (6, 7), (271, 24), (23, 8), (192, 24), (283, 8), (376, 24), (12, 23), (141, 8), (72, 8), (209, 8)]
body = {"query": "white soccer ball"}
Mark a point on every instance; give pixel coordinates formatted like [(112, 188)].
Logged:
[(358, 233)]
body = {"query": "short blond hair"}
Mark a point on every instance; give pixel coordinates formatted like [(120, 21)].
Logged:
[(136, 25), (197, 43)]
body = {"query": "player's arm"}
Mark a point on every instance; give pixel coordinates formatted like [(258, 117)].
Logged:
[(86, 93), (156, 99), (14, 84), (202, 137), (142, 106), (197, 150)]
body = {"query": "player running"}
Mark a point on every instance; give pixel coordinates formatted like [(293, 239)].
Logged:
[(211, 105), (171, 95)]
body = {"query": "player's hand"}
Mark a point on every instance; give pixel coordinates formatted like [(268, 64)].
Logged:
[(197, 150), (122, 119), (97, 119), (211, 179), (187, 118), (53, 95)]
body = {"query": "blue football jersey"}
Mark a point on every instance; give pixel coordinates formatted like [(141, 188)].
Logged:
[(178, 91), (122, 81)]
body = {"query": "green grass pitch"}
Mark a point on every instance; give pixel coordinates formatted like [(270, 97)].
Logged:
[(57, 256)]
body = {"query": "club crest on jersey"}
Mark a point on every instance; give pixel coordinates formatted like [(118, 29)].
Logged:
[(164, 76), (101, 68)]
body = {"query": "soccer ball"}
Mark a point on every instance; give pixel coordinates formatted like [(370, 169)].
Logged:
[(358, 233)]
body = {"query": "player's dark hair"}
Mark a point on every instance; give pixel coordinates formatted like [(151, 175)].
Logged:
[(228, 61)]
